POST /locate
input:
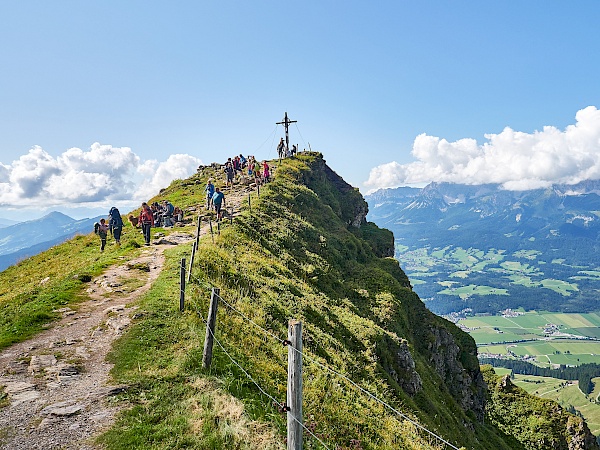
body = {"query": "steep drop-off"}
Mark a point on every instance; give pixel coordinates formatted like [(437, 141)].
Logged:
[(305, 251)]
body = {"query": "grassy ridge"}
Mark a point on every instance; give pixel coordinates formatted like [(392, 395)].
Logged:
[(293, 256), (535, 422)]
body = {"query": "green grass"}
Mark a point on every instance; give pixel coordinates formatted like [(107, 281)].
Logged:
[(31, 290), (465, 292)]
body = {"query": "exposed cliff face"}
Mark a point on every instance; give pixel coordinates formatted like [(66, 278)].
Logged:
[(466, 386), (350, 205), (396, 359), (581, 437)]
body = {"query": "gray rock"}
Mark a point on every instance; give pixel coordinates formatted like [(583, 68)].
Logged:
[(41, 362), (62, 409)]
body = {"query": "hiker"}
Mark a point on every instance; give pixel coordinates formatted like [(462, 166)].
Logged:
[(280, 148), (243, 161), (178, 214), (219, 201), (266, 172), (229, 173), (294, 150), (237, 165), (115, 224), (209, 190), (146, 219), (101, 230), (167, 213), (156, 214)]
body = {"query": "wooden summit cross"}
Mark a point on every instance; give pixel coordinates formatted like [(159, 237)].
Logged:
[(286, 123)]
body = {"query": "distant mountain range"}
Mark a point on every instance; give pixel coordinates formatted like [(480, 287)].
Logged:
[(485, 248), (7, 222), (25, 239)]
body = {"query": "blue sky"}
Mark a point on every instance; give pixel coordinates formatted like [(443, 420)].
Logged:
[(111, 100)]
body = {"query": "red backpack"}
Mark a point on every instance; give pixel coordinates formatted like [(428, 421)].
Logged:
[(146, 216)]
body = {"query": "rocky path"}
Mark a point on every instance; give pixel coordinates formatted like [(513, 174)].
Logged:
[(56, 384)]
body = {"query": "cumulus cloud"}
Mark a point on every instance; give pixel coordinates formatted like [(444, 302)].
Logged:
[(516, 160), (159, 175), (99, 176)]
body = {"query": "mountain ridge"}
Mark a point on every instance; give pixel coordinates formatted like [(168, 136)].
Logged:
[(301, 250), (25, 239)]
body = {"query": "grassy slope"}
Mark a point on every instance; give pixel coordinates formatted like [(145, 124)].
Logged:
[(293, 257), (31, 290)]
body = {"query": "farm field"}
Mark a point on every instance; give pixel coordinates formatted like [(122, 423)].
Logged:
[(542, 337), (545, 339), (566, 393), (450, 278)]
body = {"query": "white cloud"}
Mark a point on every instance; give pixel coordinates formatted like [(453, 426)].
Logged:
[(101, 176), (516, 160), (160, 175)]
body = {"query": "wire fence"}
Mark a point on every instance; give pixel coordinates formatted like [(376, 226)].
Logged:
[(314, 360), (205, 286)]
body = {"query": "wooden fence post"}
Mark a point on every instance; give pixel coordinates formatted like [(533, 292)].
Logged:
[(198, 230), (249, 203), (194, 246), (210, 328), (182, 285), (294, 387), (212, 235)]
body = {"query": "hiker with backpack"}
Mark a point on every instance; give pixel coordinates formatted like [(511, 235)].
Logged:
[(219, 201), (146, 219), (115, 224), (101, 229), (266, 172)]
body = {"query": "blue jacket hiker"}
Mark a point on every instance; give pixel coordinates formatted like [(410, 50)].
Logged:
[(209, 190), (219, 201), (115, 224)]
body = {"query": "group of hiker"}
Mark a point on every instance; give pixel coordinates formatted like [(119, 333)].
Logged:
[(246, 168), (154, 215), (166, 215), (113, 226)]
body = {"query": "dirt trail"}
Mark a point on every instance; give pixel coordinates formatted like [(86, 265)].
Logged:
[(57, 383)]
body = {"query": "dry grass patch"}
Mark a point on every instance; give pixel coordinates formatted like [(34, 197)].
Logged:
[(227, 412)]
